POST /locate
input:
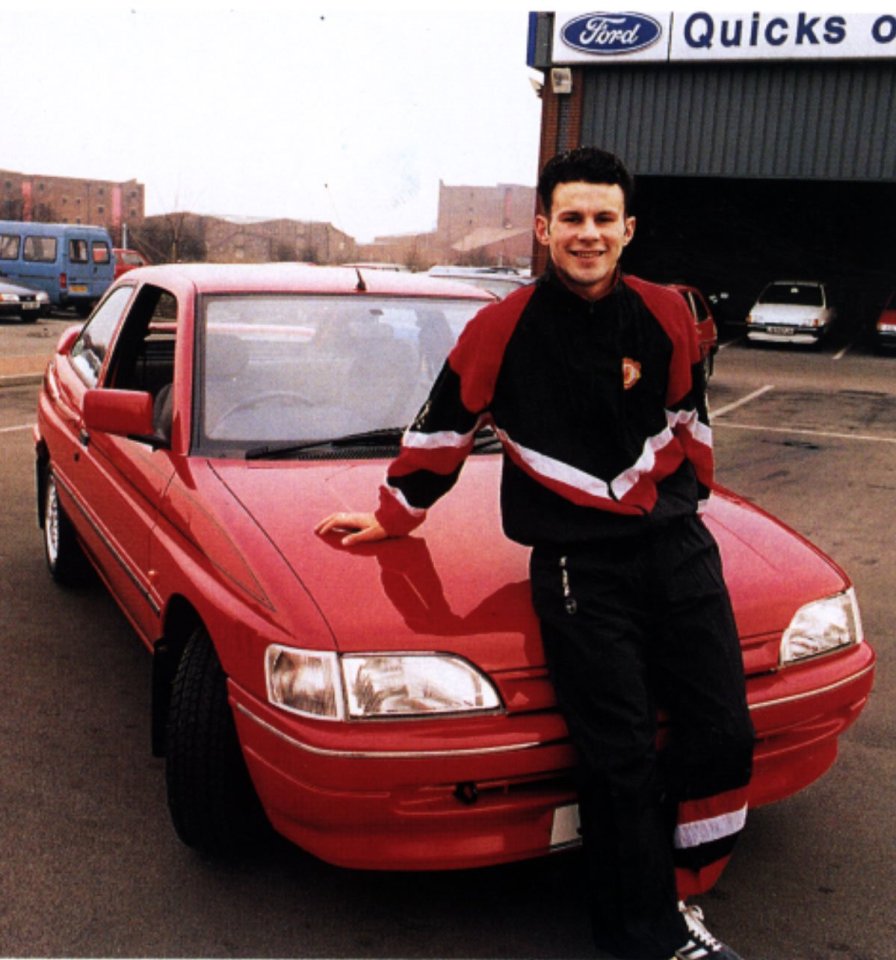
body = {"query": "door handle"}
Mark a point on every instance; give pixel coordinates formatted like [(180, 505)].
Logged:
[(84, 437)]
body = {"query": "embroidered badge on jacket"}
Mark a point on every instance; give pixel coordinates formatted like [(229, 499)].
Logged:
[(631, 372)]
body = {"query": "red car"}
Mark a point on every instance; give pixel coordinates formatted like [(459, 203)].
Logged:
[(385, 706), (707, 333), (127, 260), (885, 328)]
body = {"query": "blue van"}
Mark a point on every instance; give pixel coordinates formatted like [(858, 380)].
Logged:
[(71, 262)]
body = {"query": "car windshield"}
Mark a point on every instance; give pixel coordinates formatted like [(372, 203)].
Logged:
[(282, 370), (799, 294)]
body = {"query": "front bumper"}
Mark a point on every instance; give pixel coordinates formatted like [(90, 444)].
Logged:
[(25, 308), (770, 333), (427, 795), (886, 336)]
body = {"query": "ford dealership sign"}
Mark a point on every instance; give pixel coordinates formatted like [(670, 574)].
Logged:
[(609, 34), (707, 34)]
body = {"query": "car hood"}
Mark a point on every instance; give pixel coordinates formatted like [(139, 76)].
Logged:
[(457, 581)]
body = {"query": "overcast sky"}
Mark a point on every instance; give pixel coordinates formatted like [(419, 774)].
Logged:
[(327, 110)]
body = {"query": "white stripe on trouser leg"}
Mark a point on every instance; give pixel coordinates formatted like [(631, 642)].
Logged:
[(712, 828)]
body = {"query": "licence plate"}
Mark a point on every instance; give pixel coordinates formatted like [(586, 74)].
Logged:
[(30, 306), (78, 288), (783, 331), (565, 827)]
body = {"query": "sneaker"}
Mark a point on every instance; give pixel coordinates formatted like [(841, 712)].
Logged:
[(702, 944)]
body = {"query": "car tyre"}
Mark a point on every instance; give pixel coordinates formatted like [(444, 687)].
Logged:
[(211, 798), (65, 560)]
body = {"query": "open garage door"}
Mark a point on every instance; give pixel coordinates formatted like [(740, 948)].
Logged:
[(737, 235)]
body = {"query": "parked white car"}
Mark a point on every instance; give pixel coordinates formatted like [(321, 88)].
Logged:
[(791, 311)]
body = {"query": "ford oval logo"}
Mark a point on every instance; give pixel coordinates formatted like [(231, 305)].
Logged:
[(611, 33)]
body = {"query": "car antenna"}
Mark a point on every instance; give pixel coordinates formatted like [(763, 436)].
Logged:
[(362, 286)]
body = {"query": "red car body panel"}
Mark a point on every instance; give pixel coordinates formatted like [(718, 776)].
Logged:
[(885, 328), (127, 259), (234, 540), (707, 332)]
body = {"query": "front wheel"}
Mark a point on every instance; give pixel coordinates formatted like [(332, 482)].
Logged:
[(211, 799), (65, 561)]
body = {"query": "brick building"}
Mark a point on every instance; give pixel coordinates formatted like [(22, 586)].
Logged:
[(191, 236), (476, 225), (105, 203), (481, 226)]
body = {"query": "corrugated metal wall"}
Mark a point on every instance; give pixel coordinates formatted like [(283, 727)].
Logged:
[(831, 120)]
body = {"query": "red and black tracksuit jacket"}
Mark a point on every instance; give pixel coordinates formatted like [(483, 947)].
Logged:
[(600, 408)]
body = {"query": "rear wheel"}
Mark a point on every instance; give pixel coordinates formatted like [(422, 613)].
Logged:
[(211, 799), (65, 560)]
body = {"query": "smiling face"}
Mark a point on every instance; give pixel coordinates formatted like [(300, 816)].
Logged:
[(586, 231)]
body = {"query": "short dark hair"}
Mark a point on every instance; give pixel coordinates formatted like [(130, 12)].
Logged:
[(586, 165)]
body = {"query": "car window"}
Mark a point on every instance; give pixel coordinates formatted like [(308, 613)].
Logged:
[(701, 311), (799, 294), (77, 251), (102, 252), (9, 246), (290, 368), (39, 249), (90, 349), (143, 357)]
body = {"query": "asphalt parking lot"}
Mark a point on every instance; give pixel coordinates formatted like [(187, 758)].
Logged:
[(92, 867)]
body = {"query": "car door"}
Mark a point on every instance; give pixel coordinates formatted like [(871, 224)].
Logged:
[(70, 377), (120, 480)]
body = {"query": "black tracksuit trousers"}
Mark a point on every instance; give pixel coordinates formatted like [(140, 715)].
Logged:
[(633, 625)]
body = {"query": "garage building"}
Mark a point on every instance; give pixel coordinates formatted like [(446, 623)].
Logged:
[(764, 144)]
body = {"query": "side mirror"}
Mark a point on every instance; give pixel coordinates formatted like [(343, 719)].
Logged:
[(123, 413), (67, 338)]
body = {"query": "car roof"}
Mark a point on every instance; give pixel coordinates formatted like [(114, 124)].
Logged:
[(300, 278), (502, 272)]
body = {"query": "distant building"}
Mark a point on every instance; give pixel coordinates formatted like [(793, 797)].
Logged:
[(477, 226), (104, 203), (192, 236)]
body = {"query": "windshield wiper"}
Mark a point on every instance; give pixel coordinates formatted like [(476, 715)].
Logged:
[(384, 436), (368, 438)]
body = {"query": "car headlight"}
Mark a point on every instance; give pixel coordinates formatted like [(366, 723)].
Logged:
[(367, 686), (304, 681), (9, 297), (822, 626)]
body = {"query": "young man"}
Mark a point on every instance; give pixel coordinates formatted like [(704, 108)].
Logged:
[(591, 379)]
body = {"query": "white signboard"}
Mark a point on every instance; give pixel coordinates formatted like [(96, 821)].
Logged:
[(704, 35)]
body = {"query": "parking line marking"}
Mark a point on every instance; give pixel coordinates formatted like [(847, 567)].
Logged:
[(23, 426), (840, 354), (829, 434), (739, 403)]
